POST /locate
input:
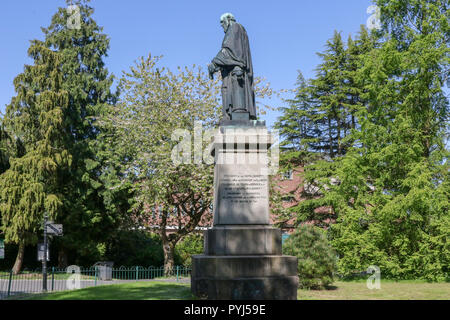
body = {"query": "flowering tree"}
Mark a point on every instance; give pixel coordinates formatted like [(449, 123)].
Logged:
[(172, 198)]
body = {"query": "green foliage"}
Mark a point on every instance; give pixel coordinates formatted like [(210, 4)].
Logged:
[(296, 127), (135, 248), (190, 245), (92, 211), (88, 207), (31, 185), (157, 102), (327, 90), (392, 202), (393, 208), (317, 124), (316, 257), (5, 148), (390, 193)]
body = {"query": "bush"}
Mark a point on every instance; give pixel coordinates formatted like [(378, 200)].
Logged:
[(192, 244), (135, 248), (316, 257)]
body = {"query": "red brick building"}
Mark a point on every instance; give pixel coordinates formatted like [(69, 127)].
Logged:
[(291, 184)]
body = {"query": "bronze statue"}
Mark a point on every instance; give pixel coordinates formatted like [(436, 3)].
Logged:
[(234, 61)]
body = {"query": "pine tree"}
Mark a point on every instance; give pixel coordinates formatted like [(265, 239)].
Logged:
[(91, 212), (9, 148), (299, 139), (320, 120), (315, 123), (296, 127), (5, 148), (336, 92), (327, 89), (31, 185), (353, 86), (4, 157)]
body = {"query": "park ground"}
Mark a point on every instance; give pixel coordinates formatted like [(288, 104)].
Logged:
[(354, 290)]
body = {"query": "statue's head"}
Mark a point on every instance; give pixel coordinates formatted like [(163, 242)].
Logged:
[(226, 20)]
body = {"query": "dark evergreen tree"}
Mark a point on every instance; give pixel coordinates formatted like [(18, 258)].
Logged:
[(316, 258), (296, 127), (353, 86), (393, 200), (32, 184), (88, 208), (327, 90), (317, 124), (91, 210), (5, 148)]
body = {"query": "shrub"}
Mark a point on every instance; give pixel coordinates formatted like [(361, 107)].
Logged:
[(135, 248), (316, 257), (192, 244)]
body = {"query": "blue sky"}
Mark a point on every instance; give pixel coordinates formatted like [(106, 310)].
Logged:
[(284, 35)]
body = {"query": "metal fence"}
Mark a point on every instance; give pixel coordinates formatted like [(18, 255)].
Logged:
[(60, 279)]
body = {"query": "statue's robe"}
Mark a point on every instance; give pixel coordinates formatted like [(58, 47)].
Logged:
[(237, 94)]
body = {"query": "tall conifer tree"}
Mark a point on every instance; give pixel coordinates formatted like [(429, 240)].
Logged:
[(89, 211), (297, 130), (31, 186), (88, 217), (327, 88), (5, 148), (321, 119), (393, 200)]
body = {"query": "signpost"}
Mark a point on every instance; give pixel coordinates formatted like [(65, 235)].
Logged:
[(44, 260), (52, 229), (40, 252), (2, 249), (55, 229)]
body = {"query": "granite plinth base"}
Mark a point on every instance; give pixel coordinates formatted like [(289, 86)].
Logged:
[(244, 277), (243, 240)]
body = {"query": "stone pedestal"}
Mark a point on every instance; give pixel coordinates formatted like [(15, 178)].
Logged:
[(243, 257)]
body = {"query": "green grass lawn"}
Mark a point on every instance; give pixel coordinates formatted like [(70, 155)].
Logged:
[(389, 290), (355, 290), (147, 290)]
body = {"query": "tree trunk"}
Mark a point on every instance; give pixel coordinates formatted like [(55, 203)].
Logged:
[(330, 138), (62, 258), (169, 261), (19, 259)]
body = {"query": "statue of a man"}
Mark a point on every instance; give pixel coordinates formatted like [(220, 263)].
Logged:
[(234, 61)]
